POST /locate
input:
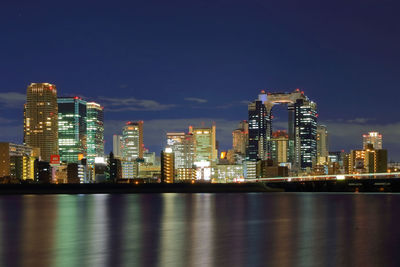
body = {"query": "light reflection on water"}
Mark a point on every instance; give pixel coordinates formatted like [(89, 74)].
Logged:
[(304, 229)]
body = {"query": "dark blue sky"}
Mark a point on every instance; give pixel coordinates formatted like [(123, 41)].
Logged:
[(176, 63)]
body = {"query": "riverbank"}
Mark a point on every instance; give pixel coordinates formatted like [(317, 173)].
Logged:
[(10, 189)]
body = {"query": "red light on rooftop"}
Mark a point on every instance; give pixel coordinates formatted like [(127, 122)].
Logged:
[(262, 91), (297, 90), (76, 97), (302, 92)]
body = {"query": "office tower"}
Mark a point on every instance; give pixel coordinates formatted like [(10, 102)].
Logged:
[(204, 144), (279, 146), (258, 131), (205, 150), (167, 166), (373, 138), (240, 137), (41, 119), (182, 145), (95, 131), (302, 126), (132, 138), (117, 145), (72, 129), (322, 144)]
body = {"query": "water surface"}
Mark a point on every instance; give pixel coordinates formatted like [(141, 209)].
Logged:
[(240, 229)]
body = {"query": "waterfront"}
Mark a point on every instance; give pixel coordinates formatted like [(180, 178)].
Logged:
[(241, 229)]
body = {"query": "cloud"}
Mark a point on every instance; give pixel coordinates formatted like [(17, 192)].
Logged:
[(133, 104), (195, 99), (358, 120), (12, 100)]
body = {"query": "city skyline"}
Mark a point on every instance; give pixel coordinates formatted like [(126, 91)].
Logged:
[(211, 71)]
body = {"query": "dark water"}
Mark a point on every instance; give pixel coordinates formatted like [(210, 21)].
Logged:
[(304, 229)]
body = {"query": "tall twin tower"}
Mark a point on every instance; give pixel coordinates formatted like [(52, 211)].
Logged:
[(302, 128)]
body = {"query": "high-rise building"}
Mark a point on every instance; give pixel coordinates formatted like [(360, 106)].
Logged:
[(132, 137), (240, 138), (72, 129), (95, 131), (373, 138), (322, 144), (41, 119), (205, 144), (167, 166), (258, 132), (279, 146), (302, 126), (117, 145), (205, 150), (182, 145)]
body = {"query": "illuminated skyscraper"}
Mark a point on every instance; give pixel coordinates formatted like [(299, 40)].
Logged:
[(132, 138), (41, 119), (205, 150), (95, 131), (117, 145), (72, 130), (240, 138), (258, 131), (204, 144), (182, 145), (302, 126), (373, 138), (322, 143), (167, 166)]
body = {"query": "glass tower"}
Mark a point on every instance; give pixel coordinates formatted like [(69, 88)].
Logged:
[(95, 131), (72, 130)]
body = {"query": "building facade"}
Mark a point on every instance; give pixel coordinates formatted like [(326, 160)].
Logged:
[(117, 145), (279, 146), (167, 166), (72, 129), (205, 151), (182, 145), (132, 139), (41, 119), (373, 138), (322, 144), (95, 131)]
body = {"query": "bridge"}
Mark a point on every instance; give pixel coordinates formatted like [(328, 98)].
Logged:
[(364, 182)]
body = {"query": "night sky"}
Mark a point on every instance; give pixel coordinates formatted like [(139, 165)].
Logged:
[(180, 63)]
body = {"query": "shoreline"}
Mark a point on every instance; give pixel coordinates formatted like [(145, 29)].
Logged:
[(105, 188)]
